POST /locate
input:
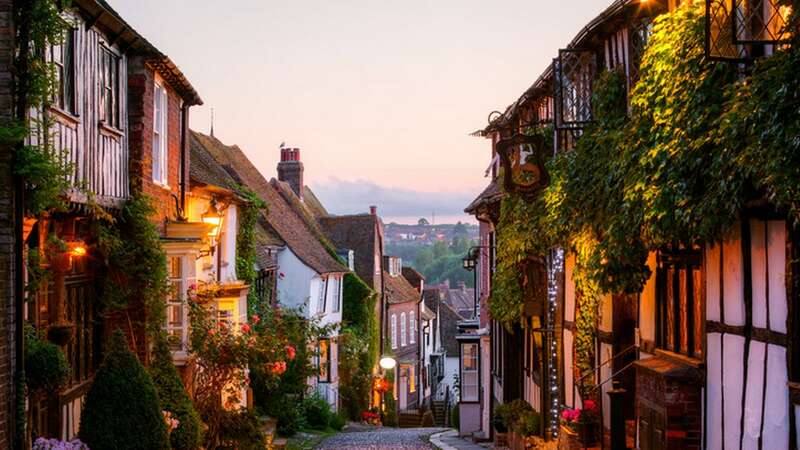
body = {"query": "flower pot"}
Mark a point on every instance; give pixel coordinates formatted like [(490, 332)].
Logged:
[(500, 439), (60, 333)]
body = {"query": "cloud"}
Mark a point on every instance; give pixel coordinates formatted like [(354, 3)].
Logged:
[(351, 197)]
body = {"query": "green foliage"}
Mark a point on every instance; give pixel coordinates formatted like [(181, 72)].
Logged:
[(529, 423), (455, 420), (338, 422), (46, 177), (248, 215), (389, 414), (507, 415), (355, 373), (135, 269), (174, 398), (241, 430), (317, 412), (46, 367), (439, 262), (122, 410)]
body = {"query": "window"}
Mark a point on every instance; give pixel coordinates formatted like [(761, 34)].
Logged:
[(323, 295), (176, 308), (324, 360), (412, 325), (680, 302), (394, 330), (403, 329), (337, 294), (109, 95), (160, 150), (412, 379), (469, 372), (62, 57)]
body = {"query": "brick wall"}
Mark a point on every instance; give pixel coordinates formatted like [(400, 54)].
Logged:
[(7, 328), (141, 86)]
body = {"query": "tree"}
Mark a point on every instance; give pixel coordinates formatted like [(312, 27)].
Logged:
[(423, 222), (122, 409)]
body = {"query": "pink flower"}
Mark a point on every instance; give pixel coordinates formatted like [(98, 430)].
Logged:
[(212, 331), (291, 352), (589, 405), (255, 319)]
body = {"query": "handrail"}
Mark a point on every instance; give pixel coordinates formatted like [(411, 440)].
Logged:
[(612, 358), (611, 377)]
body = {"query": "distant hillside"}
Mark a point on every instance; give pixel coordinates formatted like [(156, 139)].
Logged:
[(436, 251)]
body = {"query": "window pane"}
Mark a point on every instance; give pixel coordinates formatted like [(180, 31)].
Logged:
[(175, 315), (175, 266)]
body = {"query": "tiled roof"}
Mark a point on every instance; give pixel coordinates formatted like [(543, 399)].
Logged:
[(399, 290), (313, 204), (357, 233), (415, 278), (449, 319), (206, 170), (491, 193), (267, 242), (461, 299), (287, 224)]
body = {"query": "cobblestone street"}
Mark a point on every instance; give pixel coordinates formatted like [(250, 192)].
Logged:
[(382, 438)]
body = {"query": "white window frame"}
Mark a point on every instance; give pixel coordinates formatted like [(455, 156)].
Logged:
[(471, 381), (394, 330), (160, 148), (403, 329), (337, 294), (183, 281), (412, 325)]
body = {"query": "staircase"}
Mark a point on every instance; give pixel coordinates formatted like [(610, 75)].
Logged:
[(409, 419), (440, 413)]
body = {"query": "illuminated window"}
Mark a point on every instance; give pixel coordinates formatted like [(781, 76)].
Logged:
[(324, 360), (412, 379)]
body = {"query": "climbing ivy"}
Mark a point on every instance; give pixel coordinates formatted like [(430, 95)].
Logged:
[(248, 215)]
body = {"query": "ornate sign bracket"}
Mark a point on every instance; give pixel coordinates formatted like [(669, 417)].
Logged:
[(523, 161)]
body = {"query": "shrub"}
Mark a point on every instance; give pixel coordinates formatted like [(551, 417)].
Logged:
[(122, 409), (454, 417), (338, 422), (175, 399), (389, 414), (317, 411), (528, 423), (46, 367), (241, 430)]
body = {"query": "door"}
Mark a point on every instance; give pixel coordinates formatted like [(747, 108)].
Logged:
[(403, 388)]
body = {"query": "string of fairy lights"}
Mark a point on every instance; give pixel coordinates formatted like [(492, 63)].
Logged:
[(555, 268)]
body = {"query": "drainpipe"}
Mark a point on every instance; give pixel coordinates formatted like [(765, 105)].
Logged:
[(184, 153)]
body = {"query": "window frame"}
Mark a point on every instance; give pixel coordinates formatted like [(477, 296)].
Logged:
[(412, 325), (672, 263), (160, 153), (64, 97), (337, 293), (403, 329), (474, 371), (110, 111), (185, 279), (393, 326), (326, 364)]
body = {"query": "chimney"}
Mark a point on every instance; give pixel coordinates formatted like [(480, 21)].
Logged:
[(290, 170), (373, 210), (462, 286)]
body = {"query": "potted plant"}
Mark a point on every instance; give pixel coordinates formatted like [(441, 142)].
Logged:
[(529, 426), (580, 425)]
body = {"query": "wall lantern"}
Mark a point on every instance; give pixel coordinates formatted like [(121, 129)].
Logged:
[(77, 249), (522, 159), (388, 363), (213, 217)]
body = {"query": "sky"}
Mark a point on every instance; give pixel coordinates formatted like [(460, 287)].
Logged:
[(381, 96)]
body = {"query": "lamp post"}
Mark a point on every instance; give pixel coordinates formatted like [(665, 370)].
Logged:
[(469, 263)]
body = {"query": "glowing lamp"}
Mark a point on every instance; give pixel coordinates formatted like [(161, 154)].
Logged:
[(213, 217), (77, 249), (387, 363)]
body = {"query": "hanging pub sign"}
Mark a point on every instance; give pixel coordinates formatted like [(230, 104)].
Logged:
[(522, 158), (739, 30)]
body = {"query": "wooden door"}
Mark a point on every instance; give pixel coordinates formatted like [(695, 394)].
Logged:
[(625, 321), (651, 429)]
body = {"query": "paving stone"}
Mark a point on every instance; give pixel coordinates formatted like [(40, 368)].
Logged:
[(382, 438)]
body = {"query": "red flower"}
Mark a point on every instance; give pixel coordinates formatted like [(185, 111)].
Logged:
[(245, 328), (212, 331), (590, 405), (255, 319), (291, 352)]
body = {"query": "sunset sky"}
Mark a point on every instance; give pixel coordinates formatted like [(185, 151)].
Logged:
[(380, 95)]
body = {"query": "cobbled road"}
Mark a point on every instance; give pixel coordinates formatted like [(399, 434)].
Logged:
[(381, 438)]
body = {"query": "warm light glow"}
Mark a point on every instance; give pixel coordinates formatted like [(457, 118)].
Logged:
[(213, 217), (77, 250), (388, 363)]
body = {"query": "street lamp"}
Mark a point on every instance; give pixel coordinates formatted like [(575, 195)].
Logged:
[(387, 363), (469, 263)]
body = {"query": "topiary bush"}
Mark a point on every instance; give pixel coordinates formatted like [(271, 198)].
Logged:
[(241, 430), (317, 412), (46, 367), (338, 422), (122, 410), (174, 398)]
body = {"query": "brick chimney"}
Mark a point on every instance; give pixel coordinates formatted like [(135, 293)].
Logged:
[(373, 210), (290, 170)]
